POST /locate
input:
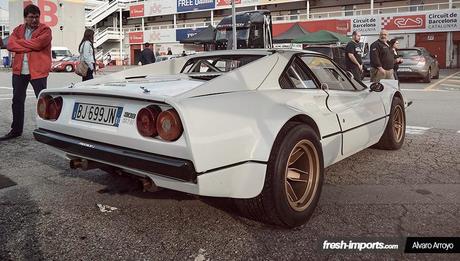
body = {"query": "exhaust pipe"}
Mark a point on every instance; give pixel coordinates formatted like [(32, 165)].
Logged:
[(85, 164), (148, 185)]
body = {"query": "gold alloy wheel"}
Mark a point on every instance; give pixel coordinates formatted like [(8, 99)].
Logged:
[(398, 123), (302, 175)]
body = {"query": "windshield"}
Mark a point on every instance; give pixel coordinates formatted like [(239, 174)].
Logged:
[(409, 52), (226, 34)]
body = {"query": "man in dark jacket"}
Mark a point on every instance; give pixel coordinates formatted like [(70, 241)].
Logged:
[(147, 55), (382, 59), (353, 60)]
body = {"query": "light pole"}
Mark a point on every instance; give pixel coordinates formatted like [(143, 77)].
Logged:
[(235, 44)]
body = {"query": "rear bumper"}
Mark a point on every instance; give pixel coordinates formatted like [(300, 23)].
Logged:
[(180, 169), (412, 73), (240, 180)]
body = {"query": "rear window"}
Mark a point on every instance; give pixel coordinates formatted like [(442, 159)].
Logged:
[(409, 52), (217, 64)]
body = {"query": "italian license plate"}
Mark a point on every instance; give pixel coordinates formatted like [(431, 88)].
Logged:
[(99, 114)]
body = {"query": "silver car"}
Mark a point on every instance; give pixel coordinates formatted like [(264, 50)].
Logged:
[(418, 63)]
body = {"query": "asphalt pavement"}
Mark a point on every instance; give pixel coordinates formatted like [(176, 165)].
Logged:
[(49, 212)]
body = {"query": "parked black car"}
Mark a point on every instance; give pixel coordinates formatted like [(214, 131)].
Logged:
[(418, 63)]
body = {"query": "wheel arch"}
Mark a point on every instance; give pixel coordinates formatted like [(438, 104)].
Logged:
[(305, 119)]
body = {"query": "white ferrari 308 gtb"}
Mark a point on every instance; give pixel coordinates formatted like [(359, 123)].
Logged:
[(258, 126)]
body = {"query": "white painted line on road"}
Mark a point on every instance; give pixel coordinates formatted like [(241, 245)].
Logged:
[(454, 80), (422, 90), (416, 130), (12, 97), (430, 88), (11, 88), (451, 85)]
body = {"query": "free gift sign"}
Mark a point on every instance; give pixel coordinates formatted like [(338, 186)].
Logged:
[(194, 5)]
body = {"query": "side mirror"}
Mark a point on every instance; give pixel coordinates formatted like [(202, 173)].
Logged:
[(350, 75), (324, 87), (376, 87)]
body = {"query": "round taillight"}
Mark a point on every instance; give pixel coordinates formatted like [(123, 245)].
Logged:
[(55, 108), (43, 106), (169, 125), (146, 121), (49, 108)]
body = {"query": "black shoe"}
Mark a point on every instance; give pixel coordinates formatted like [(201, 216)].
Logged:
[(10, 135)]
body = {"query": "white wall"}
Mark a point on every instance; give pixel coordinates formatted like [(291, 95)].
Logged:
[(70, 15)]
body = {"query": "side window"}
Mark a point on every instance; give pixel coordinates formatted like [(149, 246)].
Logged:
[(296, 77), (328, 73)]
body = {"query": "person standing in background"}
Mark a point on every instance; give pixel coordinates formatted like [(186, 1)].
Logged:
[(31, 43), (169, 51), (394, 45), (353, 57), (86, 50), (382, 59), (147, 56)]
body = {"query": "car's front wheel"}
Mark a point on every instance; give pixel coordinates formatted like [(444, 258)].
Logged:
[(69, 68), (293, 179)]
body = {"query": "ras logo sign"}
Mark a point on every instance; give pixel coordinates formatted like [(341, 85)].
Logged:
[(404, 22), (48, 10)]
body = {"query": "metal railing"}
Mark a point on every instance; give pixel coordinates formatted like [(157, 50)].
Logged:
[(109, 33), (170, 26), (345, 13), (103, 55), (104, 10)]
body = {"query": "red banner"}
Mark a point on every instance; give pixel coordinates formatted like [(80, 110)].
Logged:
[(403, 22), (136, 37), (136, 10)]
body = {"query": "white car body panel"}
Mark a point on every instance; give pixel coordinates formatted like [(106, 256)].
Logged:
[(230, 122)]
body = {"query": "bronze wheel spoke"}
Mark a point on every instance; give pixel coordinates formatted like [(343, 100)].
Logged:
[(291, 192), (301, 175), (296, 174), (296, 155)]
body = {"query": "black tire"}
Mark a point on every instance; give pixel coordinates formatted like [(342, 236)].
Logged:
[(437, 75), (391, 138), (428, 76), (68, 68), (274, 205)]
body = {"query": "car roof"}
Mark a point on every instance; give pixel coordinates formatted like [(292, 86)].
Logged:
[(250, 52)]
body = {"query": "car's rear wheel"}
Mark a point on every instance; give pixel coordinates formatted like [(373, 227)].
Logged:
[(395, 131), (68, 68), (428, 76), (293, 181), (437, 74)]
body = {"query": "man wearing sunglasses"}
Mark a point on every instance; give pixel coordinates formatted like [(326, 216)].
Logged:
[(31, 44)]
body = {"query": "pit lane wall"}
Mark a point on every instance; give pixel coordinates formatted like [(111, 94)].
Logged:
[(66, 18)]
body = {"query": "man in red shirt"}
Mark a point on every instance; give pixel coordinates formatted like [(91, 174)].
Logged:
[(31, 43)]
